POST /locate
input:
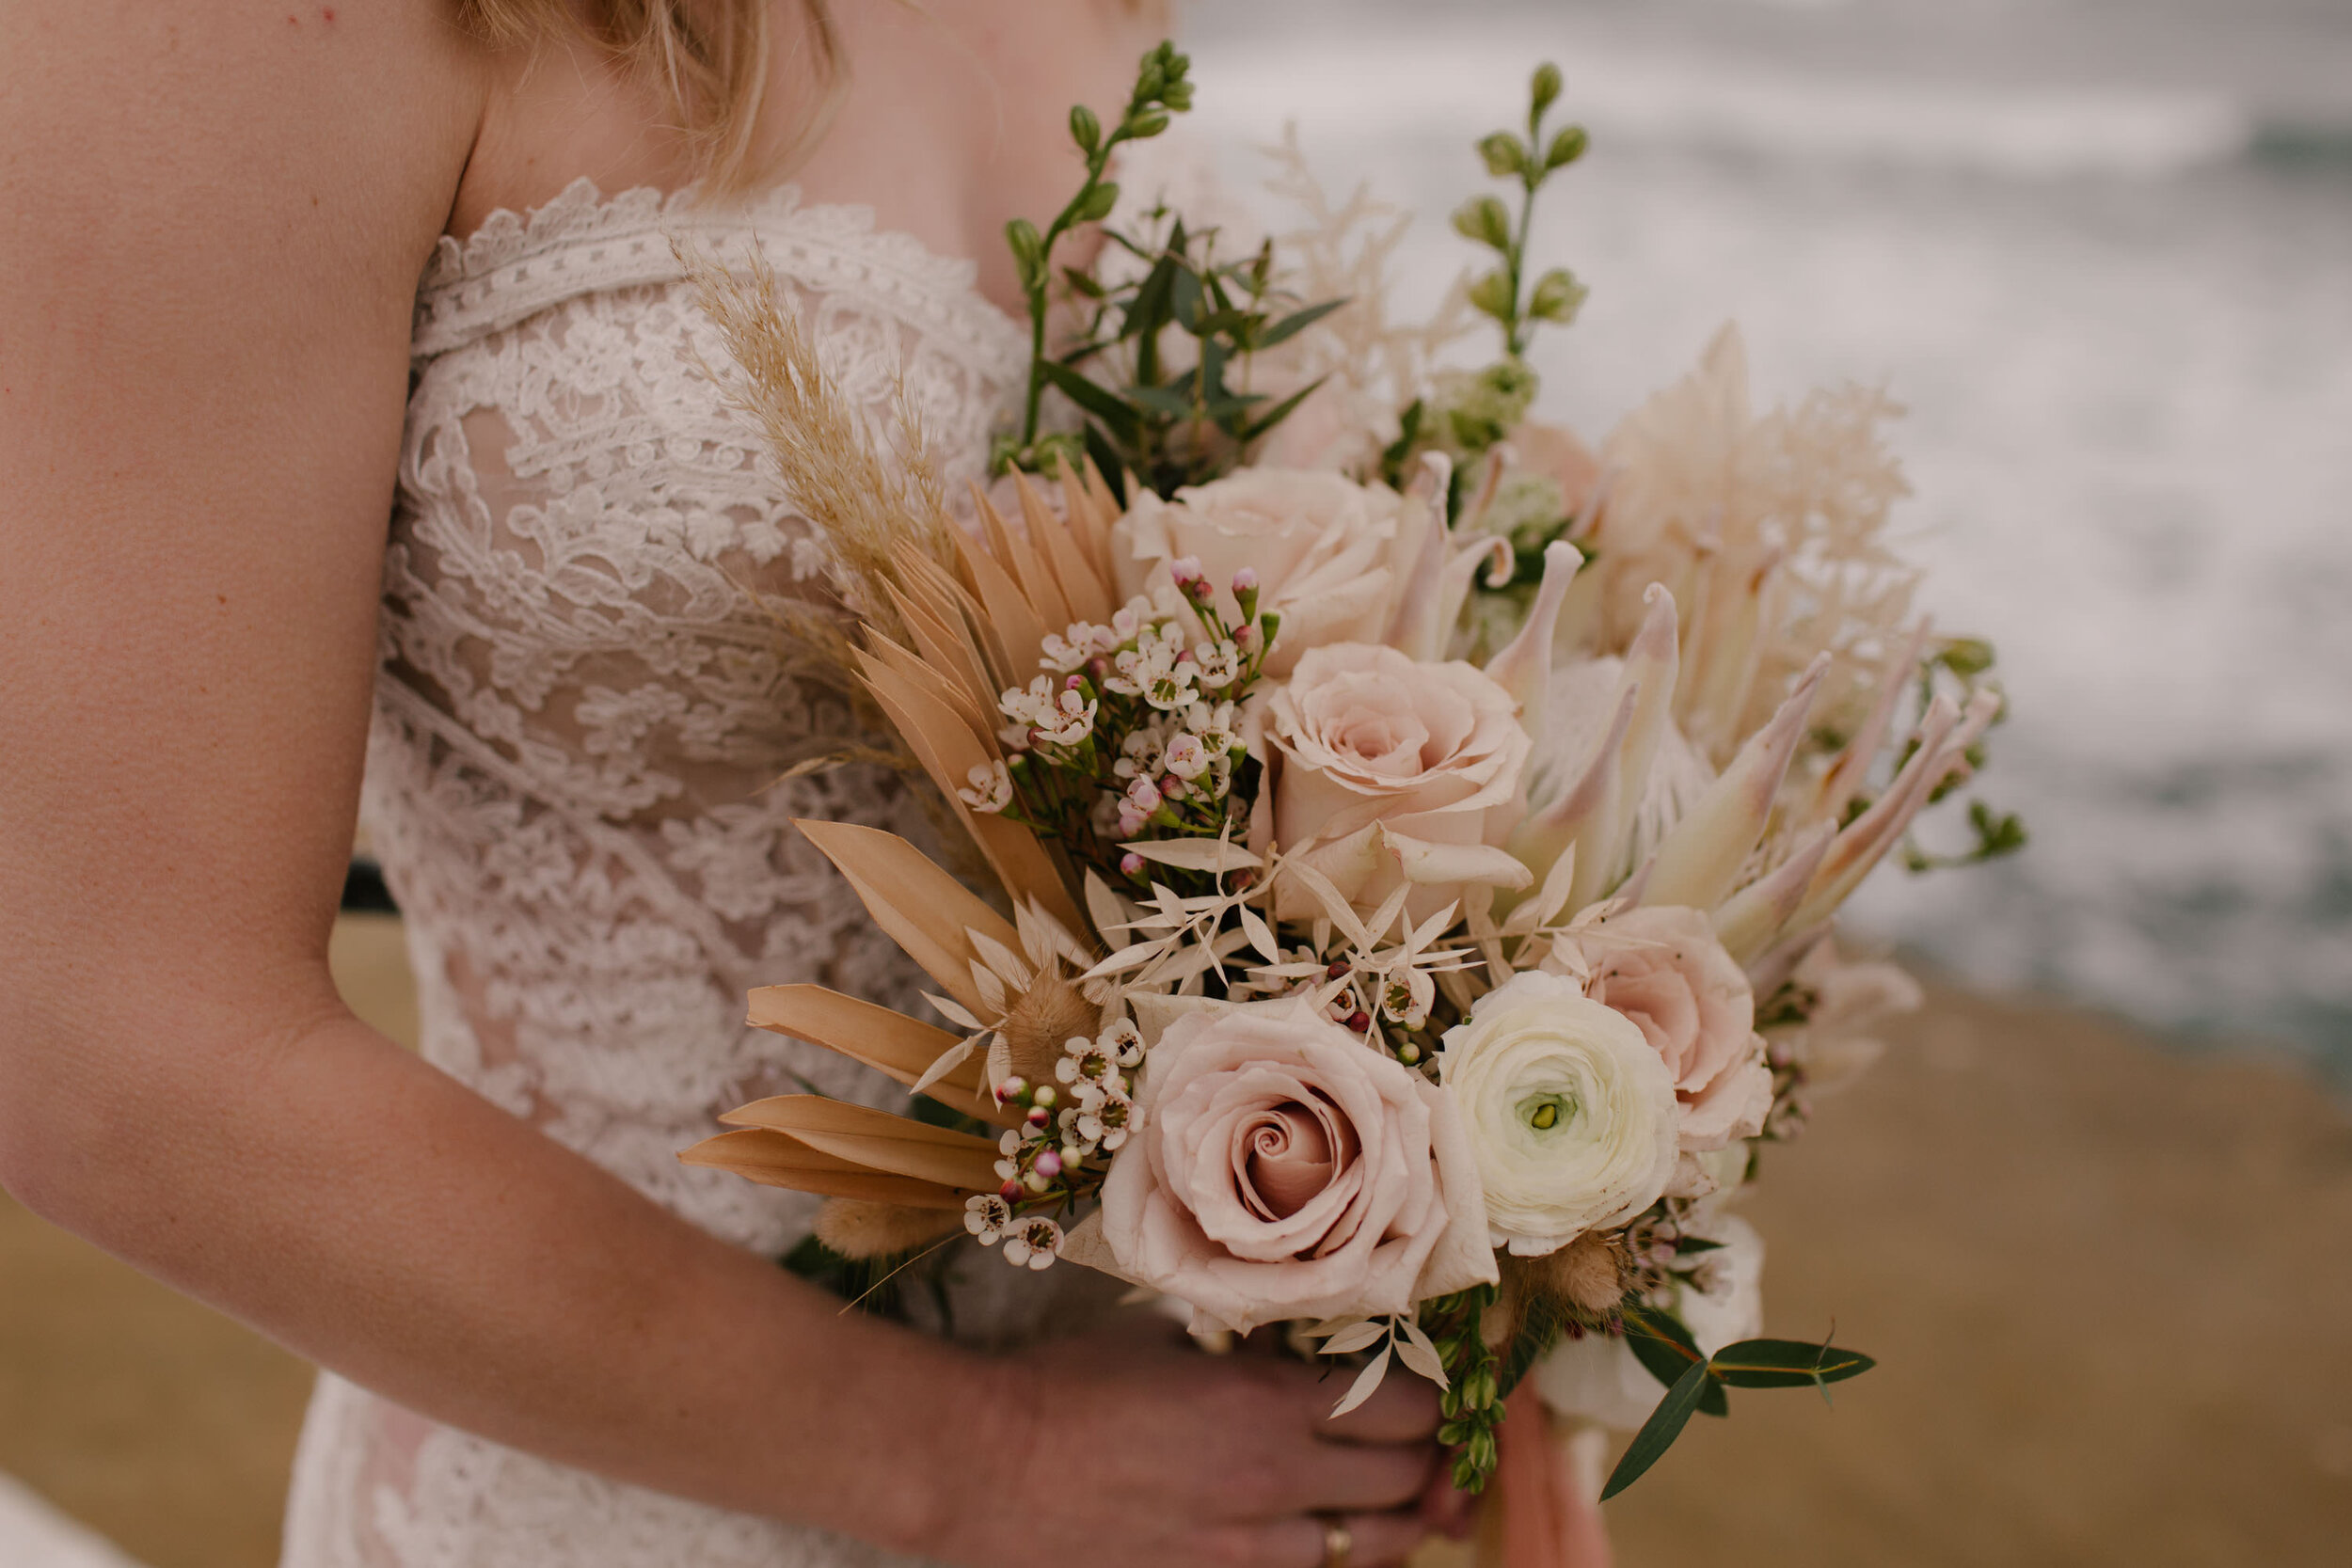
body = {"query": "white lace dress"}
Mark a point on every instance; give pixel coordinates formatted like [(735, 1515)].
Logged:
[(583, 700)]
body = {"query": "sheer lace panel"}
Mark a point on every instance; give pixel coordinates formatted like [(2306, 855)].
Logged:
[(586, 695)]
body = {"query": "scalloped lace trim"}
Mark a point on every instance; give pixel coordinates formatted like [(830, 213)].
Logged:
[(519, 264)]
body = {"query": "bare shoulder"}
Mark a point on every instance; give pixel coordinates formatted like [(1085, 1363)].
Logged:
[(216, 214), (121, 116)]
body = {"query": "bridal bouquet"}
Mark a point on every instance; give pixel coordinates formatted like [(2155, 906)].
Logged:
[(1409, 844)]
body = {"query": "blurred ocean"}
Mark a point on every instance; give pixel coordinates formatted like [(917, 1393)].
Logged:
[(2102, 251)]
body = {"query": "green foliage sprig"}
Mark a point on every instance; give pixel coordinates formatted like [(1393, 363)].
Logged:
[(1173, 428), (1170, 428), (1697, 1381), (1965, 665), (1503, 294), (1467, 414), (1163, 89), (1472, 1403)]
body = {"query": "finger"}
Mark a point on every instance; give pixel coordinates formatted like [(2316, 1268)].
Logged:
[(1446, 1509), (1374, 1541), (1371, 1477), (1401, 1410)]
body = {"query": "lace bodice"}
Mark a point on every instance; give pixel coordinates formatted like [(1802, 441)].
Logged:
[(586, 695)]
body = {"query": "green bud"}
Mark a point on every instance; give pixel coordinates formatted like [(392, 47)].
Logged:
[(1566, 147), (1558, 297), (1484, 219), (1147, 124), (1966, 656), (1099, 202), (1545, 86), (1492, 296), (1480, 1450), (1028, 252), (1505, 155), (1085, 129)]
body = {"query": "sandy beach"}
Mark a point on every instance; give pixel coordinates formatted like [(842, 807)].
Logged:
[(2109, 1284)]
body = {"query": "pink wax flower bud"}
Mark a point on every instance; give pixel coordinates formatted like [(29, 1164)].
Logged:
[(1049, 1163), (1131, 863), (1244, 581), (1186, 569), (1073, 683)]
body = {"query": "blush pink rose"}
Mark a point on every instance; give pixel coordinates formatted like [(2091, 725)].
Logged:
[(1384, 770), (1332, 556), (1662, 967), (1284, 1169)]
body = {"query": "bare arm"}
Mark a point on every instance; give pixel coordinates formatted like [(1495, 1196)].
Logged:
[(216, 228), (215, 215)]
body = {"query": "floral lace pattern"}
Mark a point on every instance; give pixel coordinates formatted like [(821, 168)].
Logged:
[(586, 693)]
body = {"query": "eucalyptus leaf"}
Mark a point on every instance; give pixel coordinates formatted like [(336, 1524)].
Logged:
[(1658, 1432), (1786, 1364), (1661, 1359), (1651, 1324)]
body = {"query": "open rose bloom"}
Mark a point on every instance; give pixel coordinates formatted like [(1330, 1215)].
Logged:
[(1286, 1172), (1383, 771)]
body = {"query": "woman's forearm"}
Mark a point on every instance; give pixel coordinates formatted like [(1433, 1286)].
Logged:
[(426, 1244)]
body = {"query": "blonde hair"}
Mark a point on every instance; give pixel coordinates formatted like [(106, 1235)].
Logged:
[(708, 60)]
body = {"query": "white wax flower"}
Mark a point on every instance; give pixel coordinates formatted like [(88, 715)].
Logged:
[(1570, 1110)]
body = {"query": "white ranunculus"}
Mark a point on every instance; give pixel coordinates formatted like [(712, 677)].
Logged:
[(1381, 768), (1597, 1379), (1331, 555), (1571, 1112)]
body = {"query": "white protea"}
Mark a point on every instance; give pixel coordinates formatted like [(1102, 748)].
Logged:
[(1623, 797), (1770, 529)]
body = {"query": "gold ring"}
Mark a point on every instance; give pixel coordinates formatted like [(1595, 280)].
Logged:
[(1337, 1543)]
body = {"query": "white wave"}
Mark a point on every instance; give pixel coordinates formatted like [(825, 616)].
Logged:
[(1469, 80)]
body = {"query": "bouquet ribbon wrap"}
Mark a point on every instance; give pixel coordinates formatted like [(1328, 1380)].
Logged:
[(1542, 1514)]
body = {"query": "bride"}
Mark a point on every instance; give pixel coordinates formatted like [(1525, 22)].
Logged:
[(559, 665)]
